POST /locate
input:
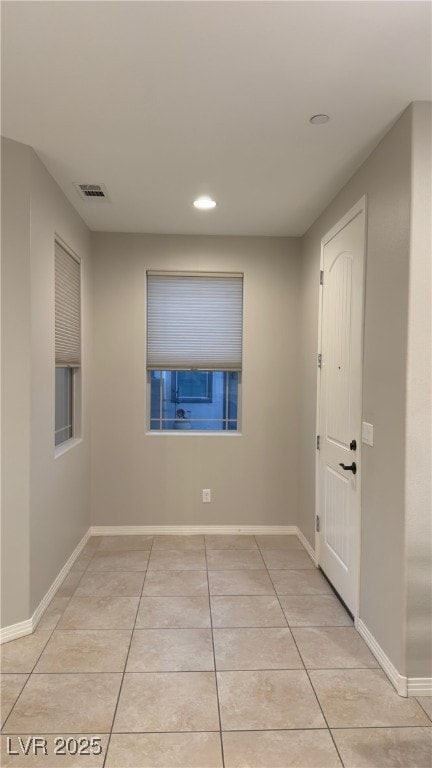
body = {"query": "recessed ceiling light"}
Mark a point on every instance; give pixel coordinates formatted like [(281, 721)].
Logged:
[(319, 119), (204, 203)]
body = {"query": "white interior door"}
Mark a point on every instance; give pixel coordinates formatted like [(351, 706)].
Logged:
[(339, 404)]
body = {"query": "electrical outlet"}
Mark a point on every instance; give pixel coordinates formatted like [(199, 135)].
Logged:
[(206, 495)]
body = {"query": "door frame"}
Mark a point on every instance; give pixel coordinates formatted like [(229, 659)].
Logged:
[(357, 208)]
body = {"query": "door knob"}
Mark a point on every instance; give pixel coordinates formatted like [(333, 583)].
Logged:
[(351, 467)]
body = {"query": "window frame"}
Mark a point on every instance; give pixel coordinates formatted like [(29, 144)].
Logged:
[(64, 394), (147, 399), (193, 432), (76, 379), (176, 395)]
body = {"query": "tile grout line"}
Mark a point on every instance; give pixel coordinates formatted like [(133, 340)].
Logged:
[(426, 713), (209, 669), (265, 569), (126, 659), (237, 626), (277, 596), (28, 678), (298, 651), (214, 658), (32, 671), (239, 730), (310, 681)]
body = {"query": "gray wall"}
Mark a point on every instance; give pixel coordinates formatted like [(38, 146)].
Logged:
[(15, 383), (386, 179), (45, 500), (140, 479), (418, 516), (60, 487)]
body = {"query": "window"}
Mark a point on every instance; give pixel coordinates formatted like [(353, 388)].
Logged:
[(67, 341), (194, 350), (191, 387), (63, 405)]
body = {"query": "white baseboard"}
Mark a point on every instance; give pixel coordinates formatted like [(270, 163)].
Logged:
[(14, 631), (399, 681), (405, 686), (56, 583), (178, 530), (309, 549), (419, 686)]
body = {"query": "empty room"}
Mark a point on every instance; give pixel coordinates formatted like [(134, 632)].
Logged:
[(216, 528)]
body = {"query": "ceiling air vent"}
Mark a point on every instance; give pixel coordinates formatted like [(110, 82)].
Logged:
[(97, 192)]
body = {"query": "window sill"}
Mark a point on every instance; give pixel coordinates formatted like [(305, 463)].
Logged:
[(59, 450), (192, 433)]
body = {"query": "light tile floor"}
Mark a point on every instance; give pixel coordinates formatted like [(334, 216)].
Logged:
[(203, 652)]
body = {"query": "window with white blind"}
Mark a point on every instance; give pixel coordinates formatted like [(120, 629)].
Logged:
[(67, 342), (194, 350)]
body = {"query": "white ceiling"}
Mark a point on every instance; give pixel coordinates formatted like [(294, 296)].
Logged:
[(164, 101)]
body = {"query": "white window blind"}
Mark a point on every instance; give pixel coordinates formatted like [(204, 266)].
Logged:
[(67, 309), (194, 321)]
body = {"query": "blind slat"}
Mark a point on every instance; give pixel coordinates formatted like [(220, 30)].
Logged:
[(194, 321), (67, 309)]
